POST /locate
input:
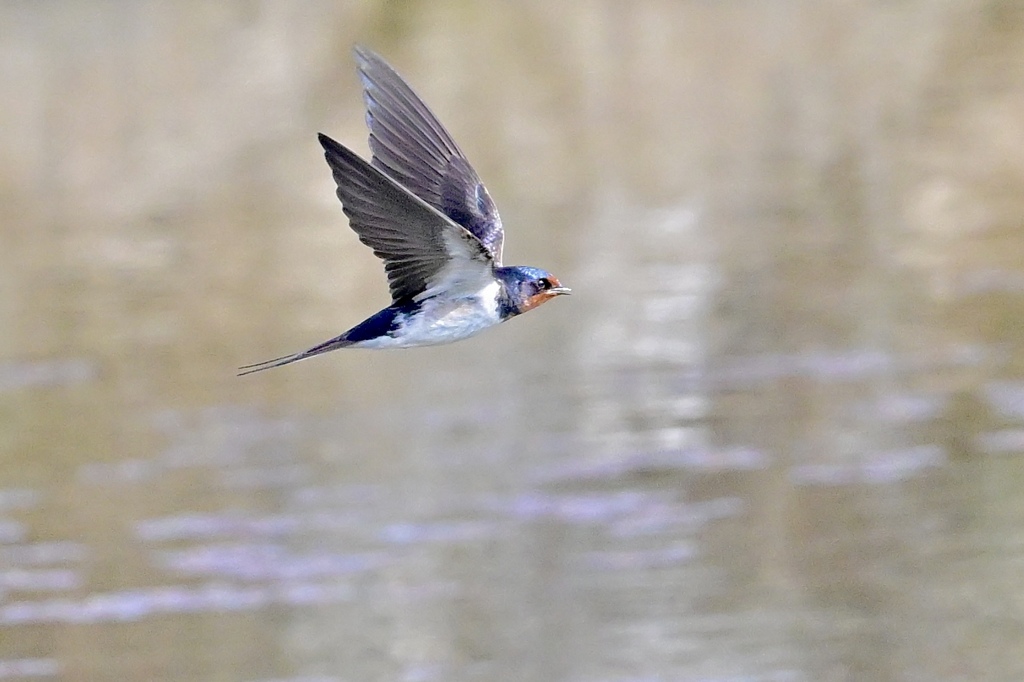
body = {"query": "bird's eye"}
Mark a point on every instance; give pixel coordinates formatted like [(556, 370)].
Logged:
[(543, 283)]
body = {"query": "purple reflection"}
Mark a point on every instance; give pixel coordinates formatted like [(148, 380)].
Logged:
[(339, 495), (34, 554), (842, 365), (11, 531), (203, 526), (585, 509), (301, 678), (28, 667), (259, 562), (854, 363), (905, 408), (124, 471), (893, 466), (629, 514), (414, 533), (662, 517), (772, 676), (625, 560), (132, 605), (423, 673), (1007, 398), (1002, 441), (28, 580), (312, 593), (231, 524)]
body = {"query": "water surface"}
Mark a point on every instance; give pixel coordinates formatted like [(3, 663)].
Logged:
[(775, 434)]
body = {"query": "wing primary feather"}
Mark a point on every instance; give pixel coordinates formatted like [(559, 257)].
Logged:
[(411, 146), (415, 240)]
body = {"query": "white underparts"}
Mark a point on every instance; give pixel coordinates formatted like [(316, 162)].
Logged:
[(443, 319)]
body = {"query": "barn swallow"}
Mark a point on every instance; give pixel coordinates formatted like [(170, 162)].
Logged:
[(424, 211)]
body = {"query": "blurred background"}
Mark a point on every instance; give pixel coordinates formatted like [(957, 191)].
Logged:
[(775, 434)]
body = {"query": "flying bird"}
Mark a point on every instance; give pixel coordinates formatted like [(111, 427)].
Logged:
[(424, 211)]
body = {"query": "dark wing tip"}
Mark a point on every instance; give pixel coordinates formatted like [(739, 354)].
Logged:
[(335, 153), (328, 144), (338, 156)]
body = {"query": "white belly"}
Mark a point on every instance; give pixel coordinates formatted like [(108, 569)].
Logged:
[(443, 321)]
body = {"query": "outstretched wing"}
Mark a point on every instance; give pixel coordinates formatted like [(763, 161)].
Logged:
[(411, 145), (423, 251)]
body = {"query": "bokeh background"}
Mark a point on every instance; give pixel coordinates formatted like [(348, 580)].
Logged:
[(776, 433)]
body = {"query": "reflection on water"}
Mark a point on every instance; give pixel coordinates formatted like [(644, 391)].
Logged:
[(774, 435)]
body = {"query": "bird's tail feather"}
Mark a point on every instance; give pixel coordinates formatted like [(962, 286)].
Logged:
[(332, 344)]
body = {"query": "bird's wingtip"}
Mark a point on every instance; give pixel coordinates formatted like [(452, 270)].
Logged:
[(328, 143), (365, 55)]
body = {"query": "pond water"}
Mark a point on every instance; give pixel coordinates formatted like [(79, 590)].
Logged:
[(775, 434)]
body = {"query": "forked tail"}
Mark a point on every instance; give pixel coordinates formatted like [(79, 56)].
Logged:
[(333, 344)]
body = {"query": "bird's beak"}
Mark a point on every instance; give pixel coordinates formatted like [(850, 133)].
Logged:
[(558, 291)]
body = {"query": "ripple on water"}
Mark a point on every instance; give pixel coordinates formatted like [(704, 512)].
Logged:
[(18, 668), (41, 553), (253, 562), (299, 678), (632, 560), (39, 580), (15, 376), (232, 524), (1006, 397), (882, 467), (133, 605), (652, 463), (11, 531), (840, 365), (18, 498)]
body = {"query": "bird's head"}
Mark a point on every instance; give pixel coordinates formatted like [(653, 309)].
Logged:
[(524, 288)]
